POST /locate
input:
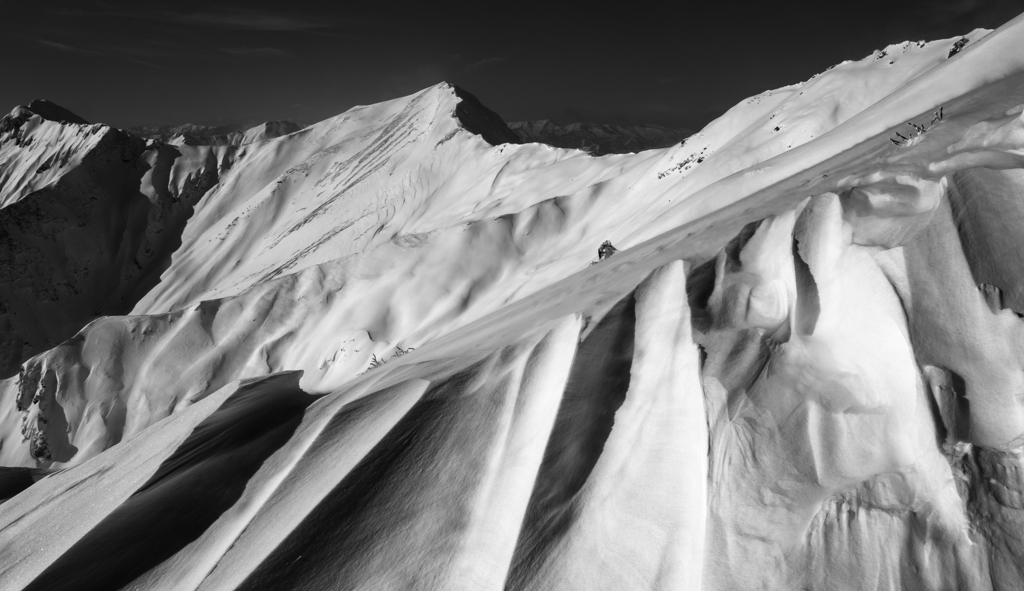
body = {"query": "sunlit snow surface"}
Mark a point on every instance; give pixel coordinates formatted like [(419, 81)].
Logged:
[(380, 357)]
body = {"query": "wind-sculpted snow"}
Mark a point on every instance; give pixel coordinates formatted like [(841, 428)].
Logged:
[(800, 368)]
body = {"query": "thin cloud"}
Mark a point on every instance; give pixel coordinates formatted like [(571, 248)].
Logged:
[(256, 51), (67, 48), (485, 63), (239, 19), (80, 51)]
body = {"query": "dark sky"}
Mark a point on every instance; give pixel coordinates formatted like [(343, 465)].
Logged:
[(151, 63)]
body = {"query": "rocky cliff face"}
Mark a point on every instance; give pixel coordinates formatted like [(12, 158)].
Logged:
[(388, 354)]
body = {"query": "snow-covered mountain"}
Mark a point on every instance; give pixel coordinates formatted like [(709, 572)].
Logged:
[(382, 351)]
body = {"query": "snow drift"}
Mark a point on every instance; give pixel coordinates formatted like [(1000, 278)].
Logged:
[(381, 352)]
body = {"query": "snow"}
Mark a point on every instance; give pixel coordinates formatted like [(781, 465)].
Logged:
[(802, 367), (648, 482), (33, 537)]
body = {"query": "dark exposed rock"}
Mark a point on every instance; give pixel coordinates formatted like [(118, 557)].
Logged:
[(957, 46), (606, 250)]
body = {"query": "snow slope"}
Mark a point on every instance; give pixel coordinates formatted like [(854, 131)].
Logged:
[(801, 369)]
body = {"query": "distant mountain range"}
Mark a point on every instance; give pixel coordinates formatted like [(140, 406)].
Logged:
[(598, 138), (225, 135), (595, 138)]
